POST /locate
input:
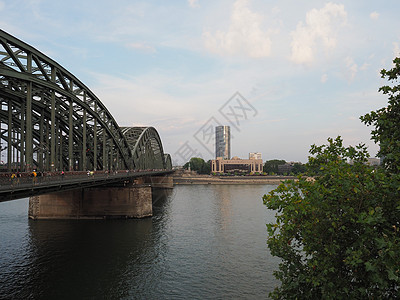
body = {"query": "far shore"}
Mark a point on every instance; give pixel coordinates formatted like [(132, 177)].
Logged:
[(210, 179)]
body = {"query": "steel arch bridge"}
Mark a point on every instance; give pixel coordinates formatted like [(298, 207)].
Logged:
[(50, 121)]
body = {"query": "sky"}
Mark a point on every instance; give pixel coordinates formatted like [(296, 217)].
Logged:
[(283, 74)]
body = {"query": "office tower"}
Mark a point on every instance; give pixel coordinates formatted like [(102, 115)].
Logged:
[(223, 142)]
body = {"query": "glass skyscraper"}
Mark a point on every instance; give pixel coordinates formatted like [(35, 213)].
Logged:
[(223, 142)]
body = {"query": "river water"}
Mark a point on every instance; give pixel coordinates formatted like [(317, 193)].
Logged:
[(203, 242)]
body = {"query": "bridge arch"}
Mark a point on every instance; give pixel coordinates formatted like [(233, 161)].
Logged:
[(146, 147), (168, 161), (49, 120)]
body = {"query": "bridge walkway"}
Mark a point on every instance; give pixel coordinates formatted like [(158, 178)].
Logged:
[(27, 185)]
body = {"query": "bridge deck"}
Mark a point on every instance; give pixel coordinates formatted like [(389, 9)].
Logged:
[(25, 186)]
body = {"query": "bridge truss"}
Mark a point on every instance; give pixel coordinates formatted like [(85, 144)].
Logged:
[(50, 121)]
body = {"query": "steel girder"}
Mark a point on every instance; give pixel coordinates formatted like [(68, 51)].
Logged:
[(146, 147), (50, 120), (168, 161)]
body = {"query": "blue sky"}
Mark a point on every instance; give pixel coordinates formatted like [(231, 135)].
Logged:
[(306, 69)]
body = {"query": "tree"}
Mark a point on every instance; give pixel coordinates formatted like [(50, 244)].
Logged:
[(298, 168), (199, 165), (271, 166), (207, 167), (386, 121), (338, 234)]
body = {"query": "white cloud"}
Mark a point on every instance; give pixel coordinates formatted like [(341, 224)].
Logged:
[(139, 95), (374, 15), (141, 46), (365, 66), (352, 68), (276, 10), (1, 5), (194, 3), (320, 25), (324, 78), (244, 36)]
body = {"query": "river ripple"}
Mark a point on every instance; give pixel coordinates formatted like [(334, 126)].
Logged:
[(203, 242)]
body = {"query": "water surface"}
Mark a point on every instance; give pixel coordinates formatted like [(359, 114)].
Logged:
[(203, 242)]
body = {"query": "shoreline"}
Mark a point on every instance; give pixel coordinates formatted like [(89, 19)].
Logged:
[(209, 179)]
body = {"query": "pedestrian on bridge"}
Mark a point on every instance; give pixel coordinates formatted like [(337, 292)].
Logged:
[(34, 177), (13, 178)]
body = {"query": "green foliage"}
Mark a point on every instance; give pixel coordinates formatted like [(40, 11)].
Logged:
[(271, 166), (199, 165), (298, 168), (386, 121), (337, 235)]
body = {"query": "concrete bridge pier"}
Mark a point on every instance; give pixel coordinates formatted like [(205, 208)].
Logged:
[(159, 182), (133, 200)]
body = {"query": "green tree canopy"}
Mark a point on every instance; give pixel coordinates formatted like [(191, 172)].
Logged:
[(337, 236), (338, 233), (271, 166), (199, 165), (386, 121), (298, 168)]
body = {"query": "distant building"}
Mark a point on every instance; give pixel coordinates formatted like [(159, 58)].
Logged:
[(373, 161), (223, 142), (285, 169), (236, 165), (255, 155)]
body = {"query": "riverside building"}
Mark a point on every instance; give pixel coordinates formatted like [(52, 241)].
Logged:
[(223, 162), (236, 165), (254, 155)]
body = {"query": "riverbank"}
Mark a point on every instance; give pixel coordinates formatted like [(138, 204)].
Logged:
[(209, 179)]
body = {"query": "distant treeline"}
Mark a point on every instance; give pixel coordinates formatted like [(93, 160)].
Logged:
[(199, 165), (277, 166)]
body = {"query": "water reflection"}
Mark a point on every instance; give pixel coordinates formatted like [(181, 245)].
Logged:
[(202, 242), (97, 258), (74, 253), (223, 205)]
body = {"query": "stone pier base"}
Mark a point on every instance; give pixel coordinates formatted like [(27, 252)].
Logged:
[(160, 182), (94, 203)]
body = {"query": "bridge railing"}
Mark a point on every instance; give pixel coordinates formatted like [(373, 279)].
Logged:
[(14, 181)]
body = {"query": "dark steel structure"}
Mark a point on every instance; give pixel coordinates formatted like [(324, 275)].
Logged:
[(50, 121)]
